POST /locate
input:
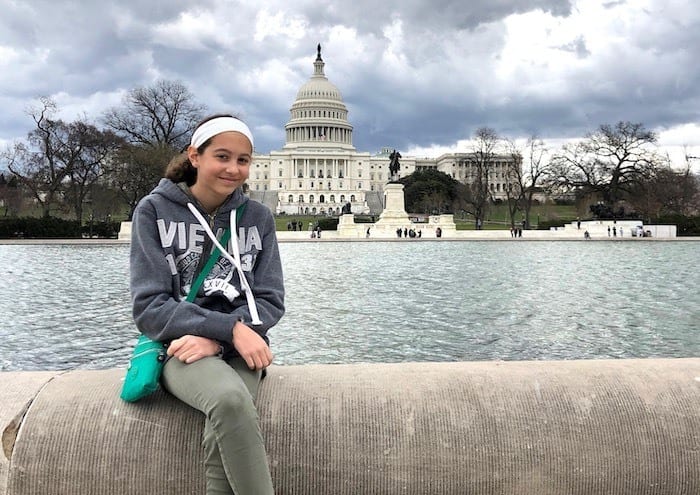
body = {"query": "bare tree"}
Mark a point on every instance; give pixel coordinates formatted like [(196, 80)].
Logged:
[(40, 163), (136, 170), (162, 114), (10, 195), (91, 151), (536, 175), (514, 182), (477, 188), (668, 192), (608, 162), (156, 122)]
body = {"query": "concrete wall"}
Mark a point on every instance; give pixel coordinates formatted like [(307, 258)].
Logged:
[(562, 427)]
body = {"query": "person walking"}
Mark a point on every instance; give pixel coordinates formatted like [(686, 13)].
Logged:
[(217, 346)]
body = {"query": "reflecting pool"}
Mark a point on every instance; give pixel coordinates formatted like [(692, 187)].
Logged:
[(67, 306)]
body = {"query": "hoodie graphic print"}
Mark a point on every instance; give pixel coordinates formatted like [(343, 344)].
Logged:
[(183, 245)]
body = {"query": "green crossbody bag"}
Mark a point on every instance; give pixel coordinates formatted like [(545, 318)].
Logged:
[(147, 360)]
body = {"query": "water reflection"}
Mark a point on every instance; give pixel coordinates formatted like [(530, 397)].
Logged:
[(68, 306)]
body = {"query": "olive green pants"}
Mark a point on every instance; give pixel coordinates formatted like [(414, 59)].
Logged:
[(225, 391)]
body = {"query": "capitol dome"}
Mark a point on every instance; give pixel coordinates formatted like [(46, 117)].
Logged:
[(319, 88), (319, 118)]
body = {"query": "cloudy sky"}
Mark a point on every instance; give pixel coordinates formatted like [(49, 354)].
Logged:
[(417, 75)]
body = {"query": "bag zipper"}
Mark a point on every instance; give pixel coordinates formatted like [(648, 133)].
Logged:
[(161, 353)]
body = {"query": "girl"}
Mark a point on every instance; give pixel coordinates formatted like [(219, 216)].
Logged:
[(217, 345)]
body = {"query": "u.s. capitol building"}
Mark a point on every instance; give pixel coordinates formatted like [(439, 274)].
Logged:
[(319, 171)]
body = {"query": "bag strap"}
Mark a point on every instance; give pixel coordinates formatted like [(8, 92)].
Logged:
[(194, 289)]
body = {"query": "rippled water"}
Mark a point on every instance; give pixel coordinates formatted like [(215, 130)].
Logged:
[(67, 306)]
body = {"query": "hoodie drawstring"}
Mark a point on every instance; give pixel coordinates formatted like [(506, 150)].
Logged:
[(235, 259)]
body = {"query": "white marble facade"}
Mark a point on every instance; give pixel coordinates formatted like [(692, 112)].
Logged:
[(318, 171)]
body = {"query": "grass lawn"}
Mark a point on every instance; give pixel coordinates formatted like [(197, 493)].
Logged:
[(497, 218)]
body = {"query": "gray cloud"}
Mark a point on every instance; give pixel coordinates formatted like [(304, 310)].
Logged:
[(412, 73)]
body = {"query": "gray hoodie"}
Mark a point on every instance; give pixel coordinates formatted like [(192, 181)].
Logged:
[(166, 245)]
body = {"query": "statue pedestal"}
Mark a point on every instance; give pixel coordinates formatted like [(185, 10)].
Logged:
[(394, 217), (394, 213), (347, 228)]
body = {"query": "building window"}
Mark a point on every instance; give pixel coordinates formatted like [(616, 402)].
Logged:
[(280, 172), (290, 199), (352, 198), (311, 198), (321, 199), (301, 198), (332, 198)]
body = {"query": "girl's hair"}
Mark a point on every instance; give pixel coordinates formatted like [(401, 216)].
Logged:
[(180, 169)]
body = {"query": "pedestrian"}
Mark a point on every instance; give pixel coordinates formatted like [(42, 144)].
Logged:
[(608, 230), (368, 232), (614, 231), (620, 229), (217, 346)]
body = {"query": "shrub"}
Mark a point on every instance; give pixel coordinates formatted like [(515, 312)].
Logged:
[(39, 228), (103, 230), (328, 223), (685, 226), (546, 224)]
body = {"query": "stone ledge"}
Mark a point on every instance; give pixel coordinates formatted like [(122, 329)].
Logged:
[(546, 427)]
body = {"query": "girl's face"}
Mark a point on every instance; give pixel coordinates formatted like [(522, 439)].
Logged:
[(221, 168)]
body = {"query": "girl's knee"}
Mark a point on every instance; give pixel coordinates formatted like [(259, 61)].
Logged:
[(235, 402)]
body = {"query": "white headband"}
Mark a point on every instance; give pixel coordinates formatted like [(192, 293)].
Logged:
[(218, 125)]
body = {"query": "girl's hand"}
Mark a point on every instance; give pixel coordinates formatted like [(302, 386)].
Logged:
[(251, 346), (191, 348)]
